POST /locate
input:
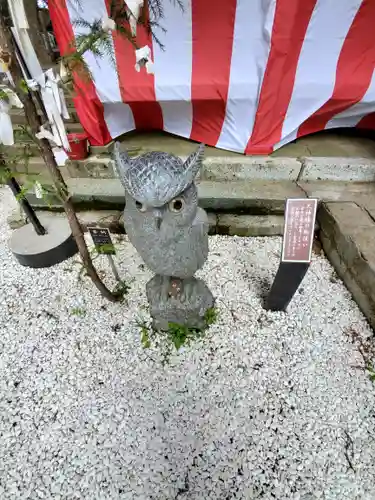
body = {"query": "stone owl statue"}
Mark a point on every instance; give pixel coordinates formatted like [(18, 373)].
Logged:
[(163, 220), (162, 217)]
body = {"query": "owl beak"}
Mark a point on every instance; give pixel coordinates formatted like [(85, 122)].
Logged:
[(158, 218)]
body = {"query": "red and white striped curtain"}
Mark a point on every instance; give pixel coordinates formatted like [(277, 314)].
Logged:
[(242, 75)]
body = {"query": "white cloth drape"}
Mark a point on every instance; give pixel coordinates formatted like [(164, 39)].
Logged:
[(18, 14), (52, 95), (135, 8), (6, 127)]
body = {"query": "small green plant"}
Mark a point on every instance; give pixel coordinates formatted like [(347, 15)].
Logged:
[(211, 316), (145, 333), (178, 335), (78, 311), (105, 249), (145, 337), (371, 371), (122, 288)]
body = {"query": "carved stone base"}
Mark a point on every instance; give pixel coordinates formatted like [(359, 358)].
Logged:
[(184, 302)]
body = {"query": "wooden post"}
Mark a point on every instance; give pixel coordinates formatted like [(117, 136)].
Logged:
[(7, 46)]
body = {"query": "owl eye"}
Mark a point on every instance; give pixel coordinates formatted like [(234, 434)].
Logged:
[(140, 206), (176, 205)]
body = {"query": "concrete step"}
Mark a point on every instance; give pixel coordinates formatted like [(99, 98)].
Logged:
[(328, 145), (225, 224), (240, 168), (256, 198), (361, 193), (22, 137), (348, 237), (310, 163)]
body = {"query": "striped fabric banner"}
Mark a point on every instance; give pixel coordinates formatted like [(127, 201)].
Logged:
[(245, 76)]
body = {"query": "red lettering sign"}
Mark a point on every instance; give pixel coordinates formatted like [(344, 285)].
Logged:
[(299, 229)]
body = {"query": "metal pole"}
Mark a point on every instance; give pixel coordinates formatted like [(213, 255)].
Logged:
[(113, 267), (27, 208)]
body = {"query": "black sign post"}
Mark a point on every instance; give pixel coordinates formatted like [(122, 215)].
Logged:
[(103, 243), (300, 215)]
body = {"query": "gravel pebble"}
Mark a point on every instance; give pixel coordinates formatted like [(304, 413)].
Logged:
[(267, 405)]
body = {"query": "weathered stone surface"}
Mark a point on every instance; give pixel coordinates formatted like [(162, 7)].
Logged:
[(96, 167), (250, 225), (212, 222), (169, 230), (214, 168), (187, 307), (348, 238), (338, 169), (260, 197), (362, 193), (109, 219), (16, 219), (250, 168)]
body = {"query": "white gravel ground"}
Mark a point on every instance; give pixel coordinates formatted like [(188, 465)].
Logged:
[(268, 405)]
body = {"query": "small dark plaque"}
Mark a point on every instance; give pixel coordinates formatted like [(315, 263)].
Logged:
[(300, 215), (102, 240)]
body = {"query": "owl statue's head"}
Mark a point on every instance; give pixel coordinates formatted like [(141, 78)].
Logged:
[(160, 186)]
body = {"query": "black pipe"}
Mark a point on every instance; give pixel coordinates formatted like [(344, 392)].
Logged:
[(26, 207)]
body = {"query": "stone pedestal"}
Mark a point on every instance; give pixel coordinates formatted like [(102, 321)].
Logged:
[(183, 302)]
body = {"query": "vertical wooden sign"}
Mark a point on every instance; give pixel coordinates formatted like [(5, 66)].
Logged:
[(299, 227)]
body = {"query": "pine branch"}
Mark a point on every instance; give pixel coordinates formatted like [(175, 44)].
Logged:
[(100, 43), (155, 8), (179, 3)]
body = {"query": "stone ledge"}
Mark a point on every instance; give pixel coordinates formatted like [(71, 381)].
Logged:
[(214, 168), (337, 169), (258, 197), (362, 193), (250, 225), (235, 168), (225, 224), (110, 219), (348, 238)]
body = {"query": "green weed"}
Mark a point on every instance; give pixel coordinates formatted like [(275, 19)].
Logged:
[(371, 371), (178, 335), (78, 311)]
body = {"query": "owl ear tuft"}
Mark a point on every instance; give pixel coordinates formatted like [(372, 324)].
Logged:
[(122, 162), (194, 162)]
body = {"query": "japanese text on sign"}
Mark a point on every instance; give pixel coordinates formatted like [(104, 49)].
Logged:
[(299, 228)]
